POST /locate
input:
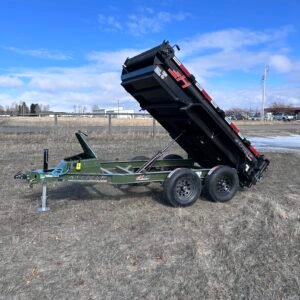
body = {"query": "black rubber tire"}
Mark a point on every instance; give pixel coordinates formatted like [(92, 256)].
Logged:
[(221, 183), (172, 156), (182, 187)]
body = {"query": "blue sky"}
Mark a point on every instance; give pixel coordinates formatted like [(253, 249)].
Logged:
[(65, 53)]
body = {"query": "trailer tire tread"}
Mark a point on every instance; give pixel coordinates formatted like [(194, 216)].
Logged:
[(221, 183), (182, 187)]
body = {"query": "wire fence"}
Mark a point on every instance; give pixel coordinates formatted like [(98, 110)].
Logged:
[(111, 136), (90, 123), (109, 123)]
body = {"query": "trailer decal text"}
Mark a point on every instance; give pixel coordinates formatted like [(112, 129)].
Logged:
[(142, 177), (179, 77)]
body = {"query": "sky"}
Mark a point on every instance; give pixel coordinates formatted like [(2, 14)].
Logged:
[(63, 53)]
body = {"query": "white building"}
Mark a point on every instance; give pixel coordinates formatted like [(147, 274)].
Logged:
[(119, 112)]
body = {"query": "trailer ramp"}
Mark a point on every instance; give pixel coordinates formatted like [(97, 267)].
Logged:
[(165, 88)]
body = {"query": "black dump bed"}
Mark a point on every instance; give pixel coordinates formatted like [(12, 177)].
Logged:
[(166, 89)]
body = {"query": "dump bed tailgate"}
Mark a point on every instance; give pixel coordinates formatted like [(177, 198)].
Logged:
[(165, 88)]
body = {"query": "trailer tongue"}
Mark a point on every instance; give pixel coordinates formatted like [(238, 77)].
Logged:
[(219, 157), (165, 88)]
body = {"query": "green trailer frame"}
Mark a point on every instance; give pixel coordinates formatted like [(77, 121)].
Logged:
[(87, 168)]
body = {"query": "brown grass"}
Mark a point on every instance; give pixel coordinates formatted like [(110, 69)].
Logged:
[(99, 242), (103, 121), (73, 121)]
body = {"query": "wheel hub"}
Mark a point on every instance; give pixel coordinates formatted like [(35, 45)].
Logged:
[(184, 188), (224, 185)]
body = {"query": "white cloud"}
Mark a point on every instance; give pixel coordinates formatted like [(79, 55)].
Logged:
[(73, 79), (224, 54), (251, 98), (6, 99), (145, 21), (231, 39), (10, 81), (222, 62), (41, 53), (62, 88), (64, 100), (109, 23), (150, 21), (281, 63), (112, 60), (240, 50)]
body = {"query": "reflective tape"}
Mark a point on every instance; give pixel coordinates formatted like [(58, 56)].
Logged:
[(254, 151), (207, 97), (178, 62), (235, 129)]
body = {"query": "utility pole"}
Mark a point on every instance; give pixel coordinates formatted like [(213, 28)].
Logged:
[(264, 79)]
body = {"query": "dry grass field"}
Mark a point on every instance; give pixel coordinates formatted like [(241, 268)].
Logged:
[(99, 242), (71, 121)]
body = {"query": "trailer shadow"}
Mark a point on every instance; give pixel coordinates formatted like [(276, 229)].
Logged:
[(92, 192)]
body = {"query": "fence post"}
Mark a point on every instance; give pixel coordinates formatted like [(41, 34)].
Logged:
[(109, 124), (153, 127), (55, 119)]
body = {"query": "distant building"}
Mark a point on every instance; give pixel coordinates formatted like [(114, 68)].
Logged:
[(99, 111), (288, 110), (293, 111), (118, 112)]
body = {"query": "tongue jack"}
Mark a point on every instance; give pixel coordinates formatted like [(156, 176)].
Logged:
[(46, 156)]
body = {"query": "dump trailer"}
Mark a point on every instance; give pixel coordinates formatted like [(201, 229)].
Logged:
[(219, 159), (170, 93)]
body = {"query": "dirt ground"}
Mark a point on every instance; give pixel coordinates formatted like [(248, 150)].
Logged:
[(98, 242)]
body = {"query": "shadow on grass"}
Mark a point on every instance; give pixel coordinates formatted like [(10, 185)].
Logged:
[(89, 192)]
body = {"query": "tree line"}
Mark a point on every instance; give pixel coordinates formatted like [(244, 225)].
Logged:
[(22, 109), (275, 106)]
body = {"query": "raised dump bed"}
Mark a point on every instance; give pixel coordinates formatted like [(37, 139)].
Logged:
[(165, 88)]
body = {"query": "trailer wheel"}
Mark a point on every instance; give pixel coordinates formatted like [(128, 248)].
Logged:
[(221, 183), (182, 187)]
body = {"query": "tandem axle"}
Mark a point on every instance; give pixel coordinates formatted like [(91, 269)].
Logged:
[(182, 178)]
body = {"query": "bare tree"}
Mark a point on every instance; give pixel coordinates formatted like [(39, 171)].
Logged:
[(95, 108), (44, 107), (277, 107), (23, 109)]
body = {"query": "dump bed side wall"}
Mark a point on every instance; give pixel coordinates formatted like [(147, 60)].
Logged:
[(166, 89)]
